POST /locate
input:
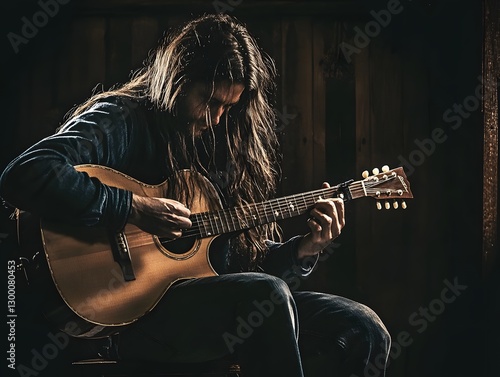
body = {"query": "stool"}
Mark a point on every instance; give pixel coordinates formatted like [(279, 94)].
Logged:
[(120, 368), (107, 364)]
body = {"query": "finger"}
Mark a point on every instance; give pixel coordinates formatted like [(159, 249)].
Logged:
[(328, 224), (326, 206), (340, 208), (334, 210), (172, 234), (324, 219), (176, 207), (339, 222), (178, 222), (315, 230), (325, 185), (333, 207)]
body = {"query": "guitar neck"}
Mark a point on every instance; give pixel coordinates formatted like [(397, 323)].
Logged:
[(235, 219), (389, 185)]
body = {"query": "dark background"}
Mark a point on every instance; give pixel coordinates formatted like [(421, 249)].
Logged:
[(336, 119)]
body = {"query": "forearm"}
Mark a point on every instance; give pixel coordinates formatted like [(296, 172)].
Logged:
[(53, 189), (283, 260), (43, 180)]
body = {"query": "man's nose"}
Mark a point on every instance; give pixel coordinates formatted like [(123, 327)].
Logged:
[(217, 115)]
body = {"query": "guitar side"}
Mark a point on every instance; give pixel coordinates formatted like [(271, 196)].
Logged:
[(91, 282)]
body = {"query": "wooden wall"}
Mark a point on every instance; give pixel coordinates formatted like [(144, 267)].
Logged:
[(395, 91)]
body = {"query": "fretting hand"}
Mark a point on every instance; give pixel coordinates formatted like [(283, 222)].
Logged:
[(326, 223)]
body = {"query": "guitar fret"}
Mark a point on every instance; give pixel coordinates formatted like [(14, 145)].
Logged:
[(289, 207), (197, 220), (222, 221), (297, 208), (218, 222), (279, 211), (274, 211), (232, 224), (264, 209), (254, 215), (239, 218), (304, 200), (229, 220), (213, 230), (271, 210), (225, 221)]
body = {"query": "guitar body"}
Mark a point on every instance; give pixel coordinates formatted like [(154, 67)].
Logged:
[(91, 282)]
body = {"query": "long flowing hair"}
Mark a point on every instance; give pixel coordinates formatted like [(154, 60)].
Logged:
[(214, 49)]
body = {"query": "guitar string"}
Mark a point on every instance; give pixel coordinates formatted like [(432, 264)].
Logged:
[(267, 210), (264, 209)]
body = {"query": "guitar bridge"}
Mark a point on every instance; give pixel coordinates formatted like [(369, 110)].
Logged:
[(121, 255)]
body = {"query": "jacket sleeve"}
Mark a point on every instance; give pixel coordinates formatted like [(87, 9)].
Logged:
[(43, 181), (281, 260)]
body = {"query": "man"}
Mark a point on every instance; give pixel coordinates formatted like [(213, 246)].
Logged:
[(204, 101)]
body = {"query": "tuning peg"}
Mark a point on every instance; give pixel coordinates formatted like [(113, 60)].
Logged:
[(379, 206), (365, 174), (385, 168), (387, 205), (375, 171), (395, 204), (403, 204)]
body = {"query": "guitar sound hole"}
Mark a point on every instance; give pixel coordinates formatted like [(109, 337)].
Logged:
[(180, 246)]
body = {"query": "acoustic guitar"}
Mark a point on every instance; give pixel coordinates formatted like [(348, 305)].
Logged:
[(107, 281)]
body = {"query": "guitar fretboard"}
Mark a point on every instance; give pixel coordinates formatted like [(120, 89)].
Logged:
[(207, 224)]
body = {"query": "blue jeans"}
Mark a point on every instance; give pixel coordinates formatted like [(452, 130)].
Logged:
[(270, 330)]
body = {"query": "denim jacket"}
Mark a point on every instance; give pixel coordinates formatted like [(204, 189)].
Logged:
[(116, 133)]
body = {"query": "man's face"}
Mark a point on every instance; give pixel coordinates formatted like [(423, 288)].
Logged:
[(204, 104)]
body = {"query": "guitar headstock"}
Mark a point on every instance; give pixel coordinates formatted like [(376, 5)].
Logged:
[(390, 186)]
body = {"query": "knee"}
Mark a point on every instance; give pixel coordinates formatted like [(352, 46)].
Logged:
[(270, 296), (267, 287), (370, 328)]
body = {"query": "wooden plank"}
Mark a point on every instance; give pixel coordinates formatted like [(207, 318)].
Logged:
[(351, 8), (363, 162), (319, 111), (81, 64), (417, 218), (118, 50), (295, 113), (298, 101), (145, 37), (386, 102)]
